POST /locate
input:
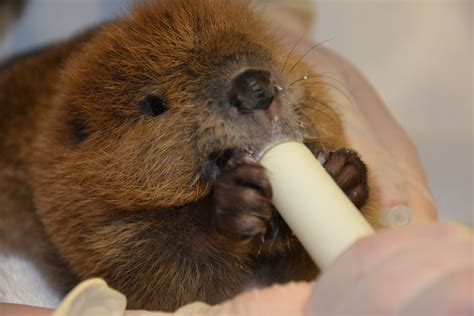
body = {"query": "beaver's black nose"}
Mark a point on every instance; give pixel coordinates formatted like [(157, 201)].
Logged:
[(251, 90)]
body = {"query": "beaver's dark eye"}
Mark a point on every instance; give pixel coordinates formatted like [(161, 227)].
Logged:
[(153, 105)]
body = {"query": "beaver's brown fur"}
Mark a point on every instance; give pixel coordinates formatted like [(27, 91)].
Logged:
[(96, 182)]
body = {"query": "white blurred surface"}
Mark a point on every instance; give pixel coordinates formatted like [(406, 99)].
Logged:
[(419, 56), (44, 21), (22, 283)]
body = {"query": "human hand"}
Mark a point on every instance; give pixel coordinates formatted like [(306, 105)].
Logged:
[(376, 136), (370, 128), (415, 270), (426, 270)]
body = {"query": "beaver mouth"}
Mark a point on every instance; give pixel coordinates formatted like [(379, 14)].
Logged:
[(221, 158), (218, 160)]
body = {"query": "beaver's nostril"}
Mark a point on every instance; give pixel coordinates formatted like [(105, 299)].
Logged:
[(251, 90)]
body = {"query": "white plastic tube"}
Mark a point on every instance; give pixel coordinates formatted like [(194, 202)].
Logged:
[(312, 204)]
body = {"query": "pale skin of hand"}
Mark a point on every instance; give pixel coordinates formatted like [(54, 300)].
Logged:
[(373, 132), (369, 126), (416, 270)]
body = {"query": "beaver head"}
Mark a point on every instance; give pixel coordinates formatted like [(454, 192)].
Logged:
[(149, 108), (143, 117)]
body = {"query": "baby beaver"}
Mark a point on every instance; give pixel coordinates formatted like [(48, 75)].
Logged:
[(127, 154)]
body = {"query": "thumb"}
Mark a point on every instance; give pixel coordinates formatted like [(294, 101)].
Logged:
[(288, 299)]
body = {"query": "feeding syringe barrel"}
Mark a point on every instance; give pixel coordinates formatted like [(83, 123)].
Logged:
[(312, 204)]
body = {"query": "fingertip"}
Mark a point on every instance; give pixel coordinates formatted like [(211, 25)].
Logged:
[(287, 299)]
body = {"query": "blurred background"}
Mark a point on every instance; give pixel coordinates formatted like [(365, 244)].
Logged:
[(418, 54)]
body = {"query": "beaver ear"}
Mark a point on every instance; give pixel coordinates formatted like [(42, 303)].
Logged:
[(153, 105), (79, 130)]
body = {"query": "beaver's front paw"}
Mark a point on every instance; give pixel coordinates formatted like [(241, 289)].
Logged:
[(242, 199), (349, 172)]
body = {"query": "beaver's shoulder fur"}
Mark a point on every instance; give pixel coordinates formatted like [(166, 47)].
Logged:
[(28, 85)]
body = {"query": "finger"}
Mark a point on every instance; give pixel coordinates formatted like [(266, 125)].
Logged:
[(451, 295), (19, 310), (288, 299), (369, 252), (394, 283)]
